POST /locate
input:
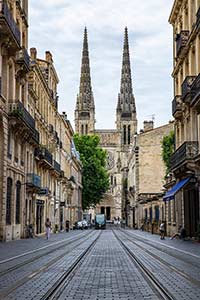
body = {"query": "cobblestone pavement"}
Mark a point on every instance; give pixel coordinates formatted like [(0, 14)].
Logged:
[(107, 272)]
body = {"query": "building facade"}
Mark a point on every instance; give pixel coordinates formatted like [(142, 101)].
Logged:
[(117, 142), (183, 201), (35, 141), (146, 177)]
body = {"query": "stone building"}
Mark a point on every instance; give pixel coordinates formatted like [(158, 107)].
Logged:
[(146, 177), (35, 141), (117, 141), (182, 200)]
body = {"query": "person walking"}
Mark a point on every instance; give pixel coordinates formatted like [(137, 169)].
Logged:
[(162, 231), (48, 228)]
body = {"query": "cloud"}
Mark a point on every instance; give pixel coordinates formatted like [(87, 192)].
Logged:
[(58, 26)]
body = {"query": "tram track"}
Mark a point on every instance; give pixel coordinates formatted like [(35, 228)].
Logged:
[(161, 260), (56, 290), (33, 273), (157, 285), (31, 260)]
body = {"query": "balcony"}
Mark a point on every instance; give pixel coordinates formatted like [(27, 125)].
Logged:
[(8, 25), (198, 19), (177, 107), (195, 89), (181, 41), (186, 152), (23, 59), (186, 89), (56, 166), (33, 181), (44, 156), (18, 112)]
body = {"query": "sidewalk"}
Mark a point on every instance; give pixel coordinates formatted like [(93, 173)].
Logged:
[(17, 247), (191, 247)]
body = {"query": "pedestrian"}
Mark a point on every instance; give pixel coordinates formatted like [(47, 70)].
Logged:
[(181, 233), (48, 228), (162, 231), (67, 225)]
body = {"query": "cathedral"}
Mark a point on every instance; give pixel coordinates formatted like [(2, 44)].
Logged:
[(117, 142)]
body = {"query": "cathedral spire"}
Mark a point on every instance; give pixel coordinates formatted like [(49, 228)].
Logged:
[(85, 110), (126, 110), (126, 100)]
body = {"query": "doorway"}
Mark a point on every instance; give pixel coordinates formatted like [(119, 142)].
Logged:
[(39, 216)]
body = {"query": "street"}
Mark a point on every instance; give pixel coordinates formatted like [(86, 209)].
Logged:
[(100, 264)]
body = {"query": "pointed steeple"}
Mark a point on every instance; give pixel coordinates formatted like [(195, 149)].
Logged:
[(85, 109), (126, 101), (126, 110)]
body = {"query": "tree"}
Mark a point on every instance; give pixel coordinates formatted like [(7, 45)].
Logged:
[(95, 178), (168, 149)]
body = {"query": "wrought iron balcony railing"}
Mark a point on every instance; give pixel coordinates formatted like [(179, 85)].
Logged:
[(5, 14), (44, 154), (186, 88), (198, 19), (22, 58), (195, 89), (177, 106), (18, 110), (56, 166), (181, 40), (33, 180), (187, 151)]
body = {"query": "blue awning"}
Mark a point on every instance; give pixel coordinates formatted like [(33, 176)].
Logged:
[(177, 187)]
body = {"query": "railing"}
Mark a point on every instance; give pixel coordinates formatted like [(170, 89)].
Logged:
[(22, 56), (18, 110), (4, 10), (56, 166), (195, 89), (33, 180), (176, 105), (186, 88), (46, 155), (187, 151), (198, 18), (181, 40)]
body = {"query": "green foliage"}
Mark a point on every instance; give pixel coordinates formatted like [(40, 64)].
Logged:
[(168, 149), (95, 178)]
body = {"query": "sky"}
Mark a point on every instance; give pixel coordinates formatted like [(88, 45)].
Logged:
[(58, 26)]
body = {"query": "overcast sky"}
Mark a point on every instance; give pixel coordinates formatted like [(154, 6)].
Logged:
[(58, 26)]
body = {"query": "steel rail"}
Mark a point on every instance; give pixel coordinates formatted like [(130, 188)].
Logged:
[(160, 289), (56, 290), (31, 260)]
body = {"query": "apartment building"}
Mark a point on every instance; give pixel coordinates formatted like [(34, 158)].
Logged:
[(182, 199)]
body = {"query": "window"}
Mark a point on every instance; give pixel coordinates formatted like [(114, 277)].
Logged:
[(18, 196), (145, 215), (169, 211), (124, 134), (115, 181), (8, 201), (129, 134), (157, 213), (150, 214), (82, 129), (111, 180), (86, 129)]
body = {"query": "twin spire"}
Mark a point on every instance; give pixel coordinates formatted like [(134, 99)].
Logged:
[(85, 100)]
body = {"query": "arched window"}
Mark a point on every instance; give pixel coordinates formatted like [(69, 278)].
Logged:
[(129, 134), (18, 198), (124, 134), (82, 129), (9, 200), (86, 129)]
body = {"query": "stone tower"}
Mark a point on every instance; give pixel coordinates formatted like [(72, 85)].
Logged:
[(85, 109), (126, 111)]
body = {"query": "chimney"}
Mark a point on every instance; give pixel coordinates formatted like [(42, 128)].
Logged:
[(48, 57), (148, 125), (33, 52)]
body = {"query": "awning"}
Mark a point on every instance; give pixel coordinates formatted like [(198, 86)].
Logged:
[(177, 187)]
